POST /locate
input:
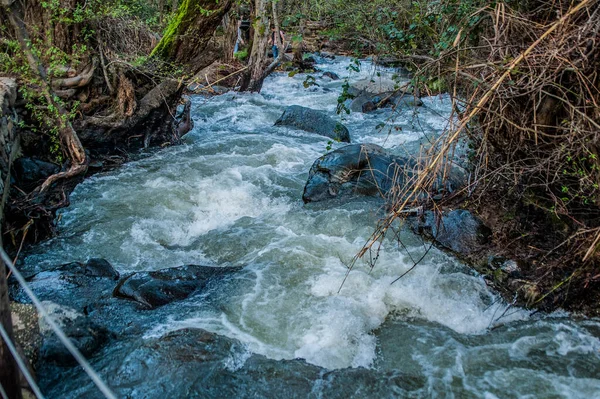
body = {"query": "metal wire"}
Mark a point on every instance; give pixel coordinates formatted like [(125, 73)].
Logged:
[(3, 393), (22, 366), (57, 330)]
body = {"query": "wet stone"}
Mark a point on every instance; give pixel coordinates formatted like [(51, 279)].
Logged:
[(357, 169), (158, 288), (313, 121), (86, 335), (26, 329), (331, 75), (94, 267)]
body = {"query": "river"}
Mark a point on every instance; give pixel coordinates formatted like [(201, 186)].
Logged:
[(231, 196)]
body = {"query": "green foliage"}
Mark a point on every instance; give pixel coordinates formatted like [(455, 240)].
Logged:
[(345, 95), (309, 81), (164, 46), (580, 179), (401, 26), (241, 55)]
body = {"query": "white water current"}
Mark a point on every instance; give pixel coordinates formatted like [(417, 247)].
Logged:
[(231, 196)]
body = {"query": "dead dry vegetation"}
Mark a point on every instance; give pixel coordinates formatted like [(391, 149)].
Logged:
[(527, 96)]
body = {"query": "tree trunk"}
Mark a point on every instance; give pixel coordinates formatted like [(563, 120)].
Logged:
[(253, 78), (55, 32), (231, 36), (69, 141), (187, 36)]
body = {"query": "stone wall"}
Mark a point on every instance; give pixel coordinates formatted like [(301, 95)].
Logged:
[(9, 142)]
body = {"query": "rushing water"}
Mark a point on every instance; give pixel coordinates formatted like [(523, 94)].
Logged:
[(231, 195)]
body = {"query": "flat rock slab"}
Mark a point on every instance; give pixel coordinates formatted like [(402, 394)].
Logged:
[(357, 169), (200, 364), (313, 121), (158, 288)]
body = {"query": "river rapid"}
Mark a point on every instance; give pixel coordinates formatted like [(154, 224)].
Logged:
[(231, 196)]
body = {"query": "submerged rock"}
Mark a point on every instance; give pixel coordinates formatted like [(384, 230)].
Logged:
[(363, 169), (313, 121), (158, 288), (459, 231)]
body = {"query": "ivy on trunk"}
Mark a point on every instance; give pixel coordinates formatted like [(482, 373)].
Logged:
[(187, 37)]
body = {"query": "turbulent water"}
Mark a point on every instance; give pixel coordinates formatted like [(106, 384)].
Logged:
[(231, 196)]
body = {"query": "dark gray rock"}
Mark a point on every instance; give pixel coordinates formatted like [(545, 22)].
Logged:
[(357, 169), (94, 267), (330, 75), (78, 285), (362, 103), (459, 231), (368, 107), (158, 288), (381, 93), (31, 171), (87, 336), (313, 121)]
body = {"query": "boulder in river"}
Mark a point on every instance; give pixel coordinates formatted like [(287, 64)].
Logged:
[(363, 169), (375, 86), (362, 103), (459, 231), (313, 121), (370, 94), (158, 288), (330, 75)]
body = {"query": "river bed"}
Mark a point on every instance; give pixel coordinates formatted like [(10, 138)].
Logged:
[(231, 196)]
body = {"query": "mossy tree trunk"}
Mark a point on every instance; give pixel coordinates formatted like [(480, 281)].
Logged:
[(187, 37)]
